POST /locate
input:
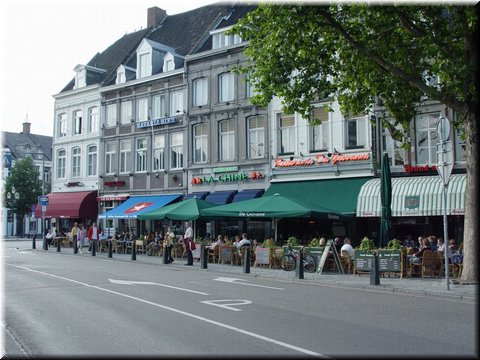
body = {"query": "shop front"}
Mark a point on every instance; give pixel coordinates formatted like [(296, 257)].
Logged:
[(417, 206), (64, 208)]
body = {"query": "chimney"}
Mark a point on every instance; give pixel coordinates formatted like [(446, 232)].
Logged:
[(155, 16), (26, 128)]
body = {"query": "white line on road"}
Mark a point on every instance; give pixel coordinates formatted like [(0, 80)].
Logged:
[(234, 281), (201, 318), (128, 282)]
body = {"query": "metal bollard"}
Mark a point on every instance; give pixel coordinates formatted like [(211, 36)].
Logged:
[(203, 257), (110, 248), (374, 271), (300, 269), (94, 247), (246, 260), (134, 250), (45, 243), (59, 244), (164, 255), (34, 243), (75, 246)]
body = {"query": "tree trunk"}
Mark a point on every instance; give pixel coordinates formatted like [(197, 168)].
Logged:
[(472, 208)]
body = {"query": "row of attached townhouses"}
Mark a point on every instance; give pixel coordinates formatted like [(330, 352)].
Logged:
[(161, 115)]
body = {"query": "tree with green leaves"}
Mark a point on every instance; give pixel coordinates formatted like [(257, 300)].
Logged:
[(358, 54), (23, 181)]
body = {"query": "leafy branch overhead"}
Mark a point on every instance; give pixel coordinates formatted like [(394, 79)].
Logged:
[(359, 54)]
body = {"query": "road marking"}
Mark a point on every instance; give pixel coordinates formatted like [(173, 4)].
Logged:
[(234, 281), (181, 312), (228, 305), (128, 282)]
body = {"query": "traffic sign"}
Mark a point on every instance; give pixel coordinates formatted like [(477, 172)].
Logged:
[(43, 200), (443, 128), (445, 160)]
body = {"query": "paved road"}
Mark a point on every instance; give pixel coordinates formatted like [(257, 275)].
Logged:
[(66, 304)]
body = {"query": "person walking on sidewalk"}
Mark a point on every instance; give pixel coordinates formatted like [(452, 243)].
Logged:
[(188, 238), (81, 237), (92, 235), (74, 233)]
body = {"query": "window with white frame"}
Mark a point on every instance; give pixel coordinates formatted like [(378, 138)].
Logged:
[(227, 140), (225, 87), (110, 158), (220, 39), (356, 131), (76, 162), (286, 134), (168, 62), (141, 155), (460, 146), (158, 152), (80, 79), (62, 125), (200, 143), (92, 160), (426, 138), (93, 119), (143, 65), (61, 163), (176, 103), (176, 150), (125, 155), (121, 77), (249, 87), (77, 122), (158, 107), (320, 134), (142, 109), (200, 91), (126, 113), (392, 147), (256, 137), (111, 115)]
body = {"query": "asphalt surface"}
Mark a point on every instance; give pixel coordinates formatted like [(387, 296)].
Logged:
[(429, 287)]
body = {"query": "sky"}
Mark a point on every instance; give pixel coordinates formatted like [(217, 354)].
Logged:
[(42, 42)]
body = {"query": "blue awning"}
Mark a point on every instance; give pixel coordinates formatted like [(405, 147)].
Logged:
[(248, 194), (199, 195), (137, 205), (221, 197)]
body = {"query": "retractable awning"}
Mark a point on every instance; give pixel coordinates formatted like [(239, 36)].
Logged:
[(415, 196), (199, 195), (248, 194), (221, 197), (74, 205), (338, 195), (137, 205)]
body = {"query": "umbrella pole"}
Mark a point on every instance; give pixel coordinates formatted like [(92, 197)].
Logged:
[(275, 225)]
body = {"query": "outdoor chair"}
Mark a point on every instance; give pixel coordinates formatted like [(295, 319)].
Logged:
[(139, 247), (346, 261), (213, 255)]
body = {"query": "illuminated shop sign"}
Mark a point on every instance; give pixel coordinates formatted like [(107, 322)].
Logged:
[(321, 159), (114, 183), (254, 175), (156, 122)]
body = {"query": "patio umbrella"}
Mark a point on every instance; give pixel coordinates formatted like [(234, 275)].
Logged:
[(190, 209), (386, 200), (273, 207)]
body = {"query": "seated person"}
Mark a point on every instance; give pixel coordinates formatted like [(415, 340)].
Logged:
[(244, 242), (219, 242), (50, 237), (347, 246), (417, 257)]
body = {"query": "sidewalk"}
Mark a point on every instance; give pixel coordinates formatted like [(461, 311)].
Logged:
[(425, 287)]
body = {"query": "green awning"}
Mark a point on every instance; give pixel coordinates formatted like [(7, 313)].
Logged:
[(415, 196), (339, 195)]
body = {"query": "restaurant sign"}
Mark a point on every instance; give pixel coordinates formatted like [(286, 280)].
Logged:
[(321, 159), (114, 183), (254, 175), (412, 202), (416, 169)]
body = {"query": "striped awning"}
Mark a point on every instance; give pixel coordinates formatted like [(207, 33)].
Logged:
[(414, 196)]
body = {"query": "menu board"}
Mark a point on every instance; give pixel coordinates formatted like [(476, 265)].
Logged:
[(363, 260), (262, 256), (316, 252), (226, 253), (388, 260)]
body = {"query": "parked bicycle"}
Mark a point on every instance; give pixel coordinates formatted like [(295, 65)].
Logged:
[(288, 262)]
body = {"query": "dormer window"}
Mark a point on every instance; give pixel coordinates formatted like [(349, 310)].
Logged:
[(220, 39), (80, 77), (168, 62), (153, 58), (124, 74)]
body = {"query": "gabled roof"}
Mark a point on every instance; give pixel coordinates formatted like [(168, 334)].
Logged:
[(14, 141), (112, 57)]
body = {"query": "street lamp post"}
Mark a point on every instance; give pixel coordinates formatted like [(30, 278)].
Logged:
[(13, 194), (42, 228)]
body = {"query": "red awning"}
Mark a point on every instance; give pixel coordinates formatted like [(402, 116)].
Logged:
[(75, 205)]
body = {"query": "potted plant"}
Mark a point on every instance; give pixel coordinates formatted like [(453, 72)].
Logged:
[(314, 243), (292, 241), (366, 244), (394, 244)]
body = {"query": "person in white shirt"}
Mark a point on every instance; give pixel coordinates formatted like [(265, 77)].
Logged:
[(347, 246), (244, 242), (188, 238)]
